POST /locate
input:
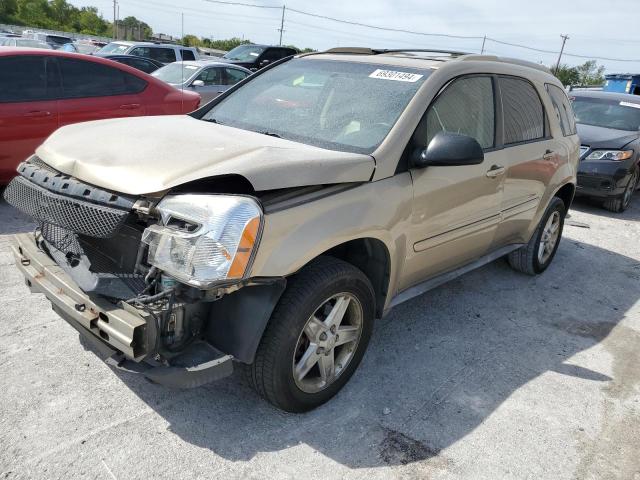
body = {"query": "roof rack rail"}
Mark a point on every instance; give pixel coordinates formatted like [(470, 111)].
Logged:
[(474, 57), (380, 51)]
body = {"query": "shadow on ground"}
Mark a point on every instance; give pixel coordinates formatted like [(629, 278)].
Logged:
[(441, 363), (11, 220), (593, 206)]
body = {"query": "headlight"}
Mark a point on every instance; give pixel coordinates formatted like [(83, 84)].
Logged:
[(614, 155), (204, 238)]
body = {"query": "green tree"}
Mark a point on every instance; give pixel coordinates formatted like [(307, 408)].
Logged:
[(590, 73), (228, 44), (191, 41), (568, 75), (8, 8)]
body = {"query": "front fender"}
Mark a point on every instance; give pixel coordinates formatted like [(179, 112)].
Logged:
[(293, 237)]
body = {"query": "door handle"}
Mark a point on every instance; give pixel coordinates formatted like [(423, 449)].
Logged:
[(37, 114), (549, 155), (130, 106), (495, 171)]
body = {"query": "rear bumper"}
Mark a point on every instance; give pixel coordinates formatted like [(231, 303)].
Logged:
[(123, 336), (603, 179)]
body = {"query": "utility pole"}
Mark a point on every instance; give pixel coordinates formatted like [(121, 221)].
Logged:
[(564, 40), (115, 34), (281, 29), (484, 39)]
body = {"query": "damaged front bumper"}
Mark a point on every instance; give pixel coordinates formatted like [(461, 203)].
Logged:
[(122, 335)]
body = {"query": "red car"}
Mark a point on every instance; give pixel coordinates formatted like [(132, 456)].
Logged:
[(42, 90)]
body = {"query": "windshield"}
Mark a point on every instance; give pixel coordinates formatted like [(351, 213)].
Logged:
[(175, 72), (244, 53), (26, 42), (604, 112), (114, 48), (330, 104), (57, 39)]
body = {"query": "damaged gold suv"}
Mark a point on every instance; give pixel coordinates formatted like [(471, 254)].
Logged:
[(272, 226)]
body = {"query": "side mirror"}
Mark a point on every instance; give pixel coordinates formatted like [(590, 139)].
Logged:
[(264, 62), (197, 83), (449, 149)]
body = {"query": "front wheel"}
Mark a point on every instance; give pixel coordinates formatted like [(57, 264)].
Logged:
[(537, 255), (620, 204), (316, 336)]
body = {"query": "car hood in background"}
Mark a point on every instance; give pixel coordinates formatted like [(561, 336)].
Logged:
[(601, 137), (151, 154)]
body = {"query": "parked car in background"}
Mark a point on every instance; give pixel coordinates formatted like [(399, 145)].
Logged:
[(161, 52), (43, 90), (205, 77), (55, 41), (23, 42), (609, 130), (255, 57), (146, 65), (77, 47), (273, 233)]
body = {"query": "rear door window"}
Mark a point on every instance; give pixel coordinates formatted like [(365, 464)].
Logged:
[(82, 79), (211, 76), (187, 55), (233, 76), (523, 112), (25, 79), (467, 107), (164, 55), (563, 109)]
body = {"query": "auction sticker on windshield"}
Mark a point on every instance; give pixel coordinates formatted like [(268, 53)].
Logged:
[(397, 76)]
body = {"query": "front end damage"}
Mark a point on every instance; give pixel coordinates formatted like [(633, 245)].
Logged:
[(89, 257)]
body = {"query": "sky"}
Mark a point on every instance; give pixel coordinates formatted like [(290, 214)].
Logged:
[(595, 28)]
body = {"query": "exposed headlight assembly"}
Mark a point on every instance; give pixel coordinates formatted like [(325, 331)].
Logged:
[(614, 155), (204, 239)]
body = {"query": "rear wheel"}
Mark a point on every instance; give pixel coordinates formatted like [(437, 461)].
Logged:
[(537, 255), (620, 204), (316, 336)]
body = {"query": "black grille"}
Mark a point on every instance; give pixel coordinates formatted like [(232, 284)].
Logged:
[(69, 213)]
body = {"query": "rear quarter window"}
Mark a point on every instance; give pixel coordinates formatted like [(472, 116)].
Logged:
[(563, 109), (82, 79), (524, 119)]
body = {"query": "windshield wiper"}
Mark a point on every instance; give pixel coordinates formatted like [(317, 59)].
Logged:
[(212, 120), (271, 134)]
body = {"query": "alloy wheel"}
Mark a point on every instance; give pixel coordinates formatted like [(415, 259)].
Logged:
[(549, 238), (327, 343)]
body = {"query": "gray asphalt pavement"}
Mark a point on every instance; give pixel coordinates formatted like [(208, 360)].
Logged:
[(494, 375)]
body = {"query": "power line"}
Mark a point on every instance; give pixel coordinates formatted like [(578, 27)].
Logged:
[(484, 39)]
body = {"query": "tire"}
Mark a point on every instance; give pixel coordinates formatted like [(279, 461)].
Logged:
[(527, 258), (286, 341), (620, 204)]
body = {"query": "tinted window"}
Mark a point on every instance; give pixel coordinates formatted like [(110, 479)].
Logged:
[(187, 55), (523, 111), (467, 107), (563, 109), (273, 54), (164, 55), (233, 76), (23, 79), (139, 63), (211, 76), (89, 79)]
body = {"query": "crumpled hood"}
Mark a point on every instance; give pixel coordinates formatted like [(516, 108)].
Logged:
[(601, 137), (151, 154)]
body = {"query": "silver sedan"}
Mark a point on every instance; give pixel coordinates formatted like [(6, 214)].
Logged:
[(207, 78)]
